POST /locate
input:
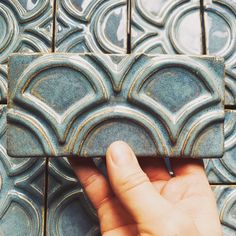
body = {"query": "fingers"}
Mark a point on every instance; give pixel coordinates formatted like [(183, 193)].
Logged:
[(132, 186), (93, 182)]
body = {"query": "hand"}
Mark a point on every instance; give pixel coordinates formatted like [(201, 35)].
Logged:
[(145, 200)]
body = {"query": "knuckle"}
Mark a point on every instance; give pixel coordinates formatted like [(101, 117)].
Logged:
[(132, 181), (89, 181)]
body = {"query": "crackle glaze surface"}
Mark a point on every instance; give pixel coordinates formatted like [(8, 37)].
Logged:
[(169, 106)]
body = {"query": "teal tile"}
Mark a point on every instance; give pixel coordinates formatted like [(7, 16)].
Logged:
[(166, 27), (25, 26), (226, 203), (91, 26), (76, 105), (3, 84), (223, 171), (220, 25), (21, 191), (69, 211)]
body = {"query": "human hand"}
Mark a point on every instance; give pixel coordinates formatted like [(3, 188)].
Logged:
[(145, 200)]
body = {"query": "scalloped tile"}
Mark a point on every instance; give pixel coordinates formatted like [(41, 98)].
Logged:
[(226, 203), (91, 26), (223, 171), (172, 105), (25, 27), (21, 190), (220, 25), (166, 27), (69, 210)]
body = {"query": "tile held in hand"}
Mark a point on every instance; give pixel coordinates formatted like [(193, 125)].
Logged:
[(77, 105)]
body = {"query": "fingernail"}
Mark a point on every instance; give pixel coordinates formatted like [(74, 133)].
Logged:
[(121, 154)]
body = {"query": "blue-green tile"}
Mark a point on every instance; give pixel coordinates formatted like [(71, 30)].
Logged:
[(76, 105), (25, 26), (223, 171), (220, 25), (3, 84), (91, 26), (226, 203), (69, 210), (166, 26), (21, 191)]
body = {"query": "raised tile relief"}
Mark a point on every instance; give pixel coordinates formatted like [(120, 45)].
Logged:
[(21, 190), (161, 105), (91, 26), (166, 27), (25, 27), (223, 171), (220, 25)]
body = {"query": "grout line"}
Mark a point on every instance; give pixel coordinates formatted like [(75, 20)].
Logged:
[(46, 197), (230, 107), (223, 184), (54, 25), (47, 159), (128, 26), (203, 27)]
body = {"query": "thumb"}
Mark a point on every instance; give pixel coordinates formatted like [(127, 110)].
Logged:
[(132, 186)]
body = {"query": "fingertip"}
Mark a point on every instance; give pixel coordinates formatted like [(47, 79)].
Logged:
[(119, 153), (116, 146)]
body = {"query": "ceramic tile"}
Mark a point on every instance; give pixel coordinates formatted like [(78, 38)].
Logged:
[(91, 26), (172, 105), (220, 27), (3, 84), (223, 171), (25, 26), (21, 191), (226, 203), (69, 210), (166, 26)]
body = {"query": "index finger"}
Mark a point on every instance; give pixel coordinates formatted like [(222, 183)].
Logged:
[(94, 183)]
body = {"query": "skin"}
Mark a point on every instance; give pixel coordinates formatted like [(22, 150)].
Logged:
[(141, 198)]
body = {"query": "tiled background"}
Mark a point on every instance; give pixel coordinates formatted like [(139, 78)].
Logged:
[(42, 196)]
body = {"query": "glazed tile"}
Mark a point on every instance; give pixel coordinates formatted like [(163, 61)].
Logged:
[(70, 104)]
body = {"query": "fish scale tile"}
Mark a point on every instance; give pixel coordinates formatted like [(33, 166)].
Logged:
[(166, 26), (220, 27), (21, 190), (25, 26), (91, 26), (110, 97), (223, 171)]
